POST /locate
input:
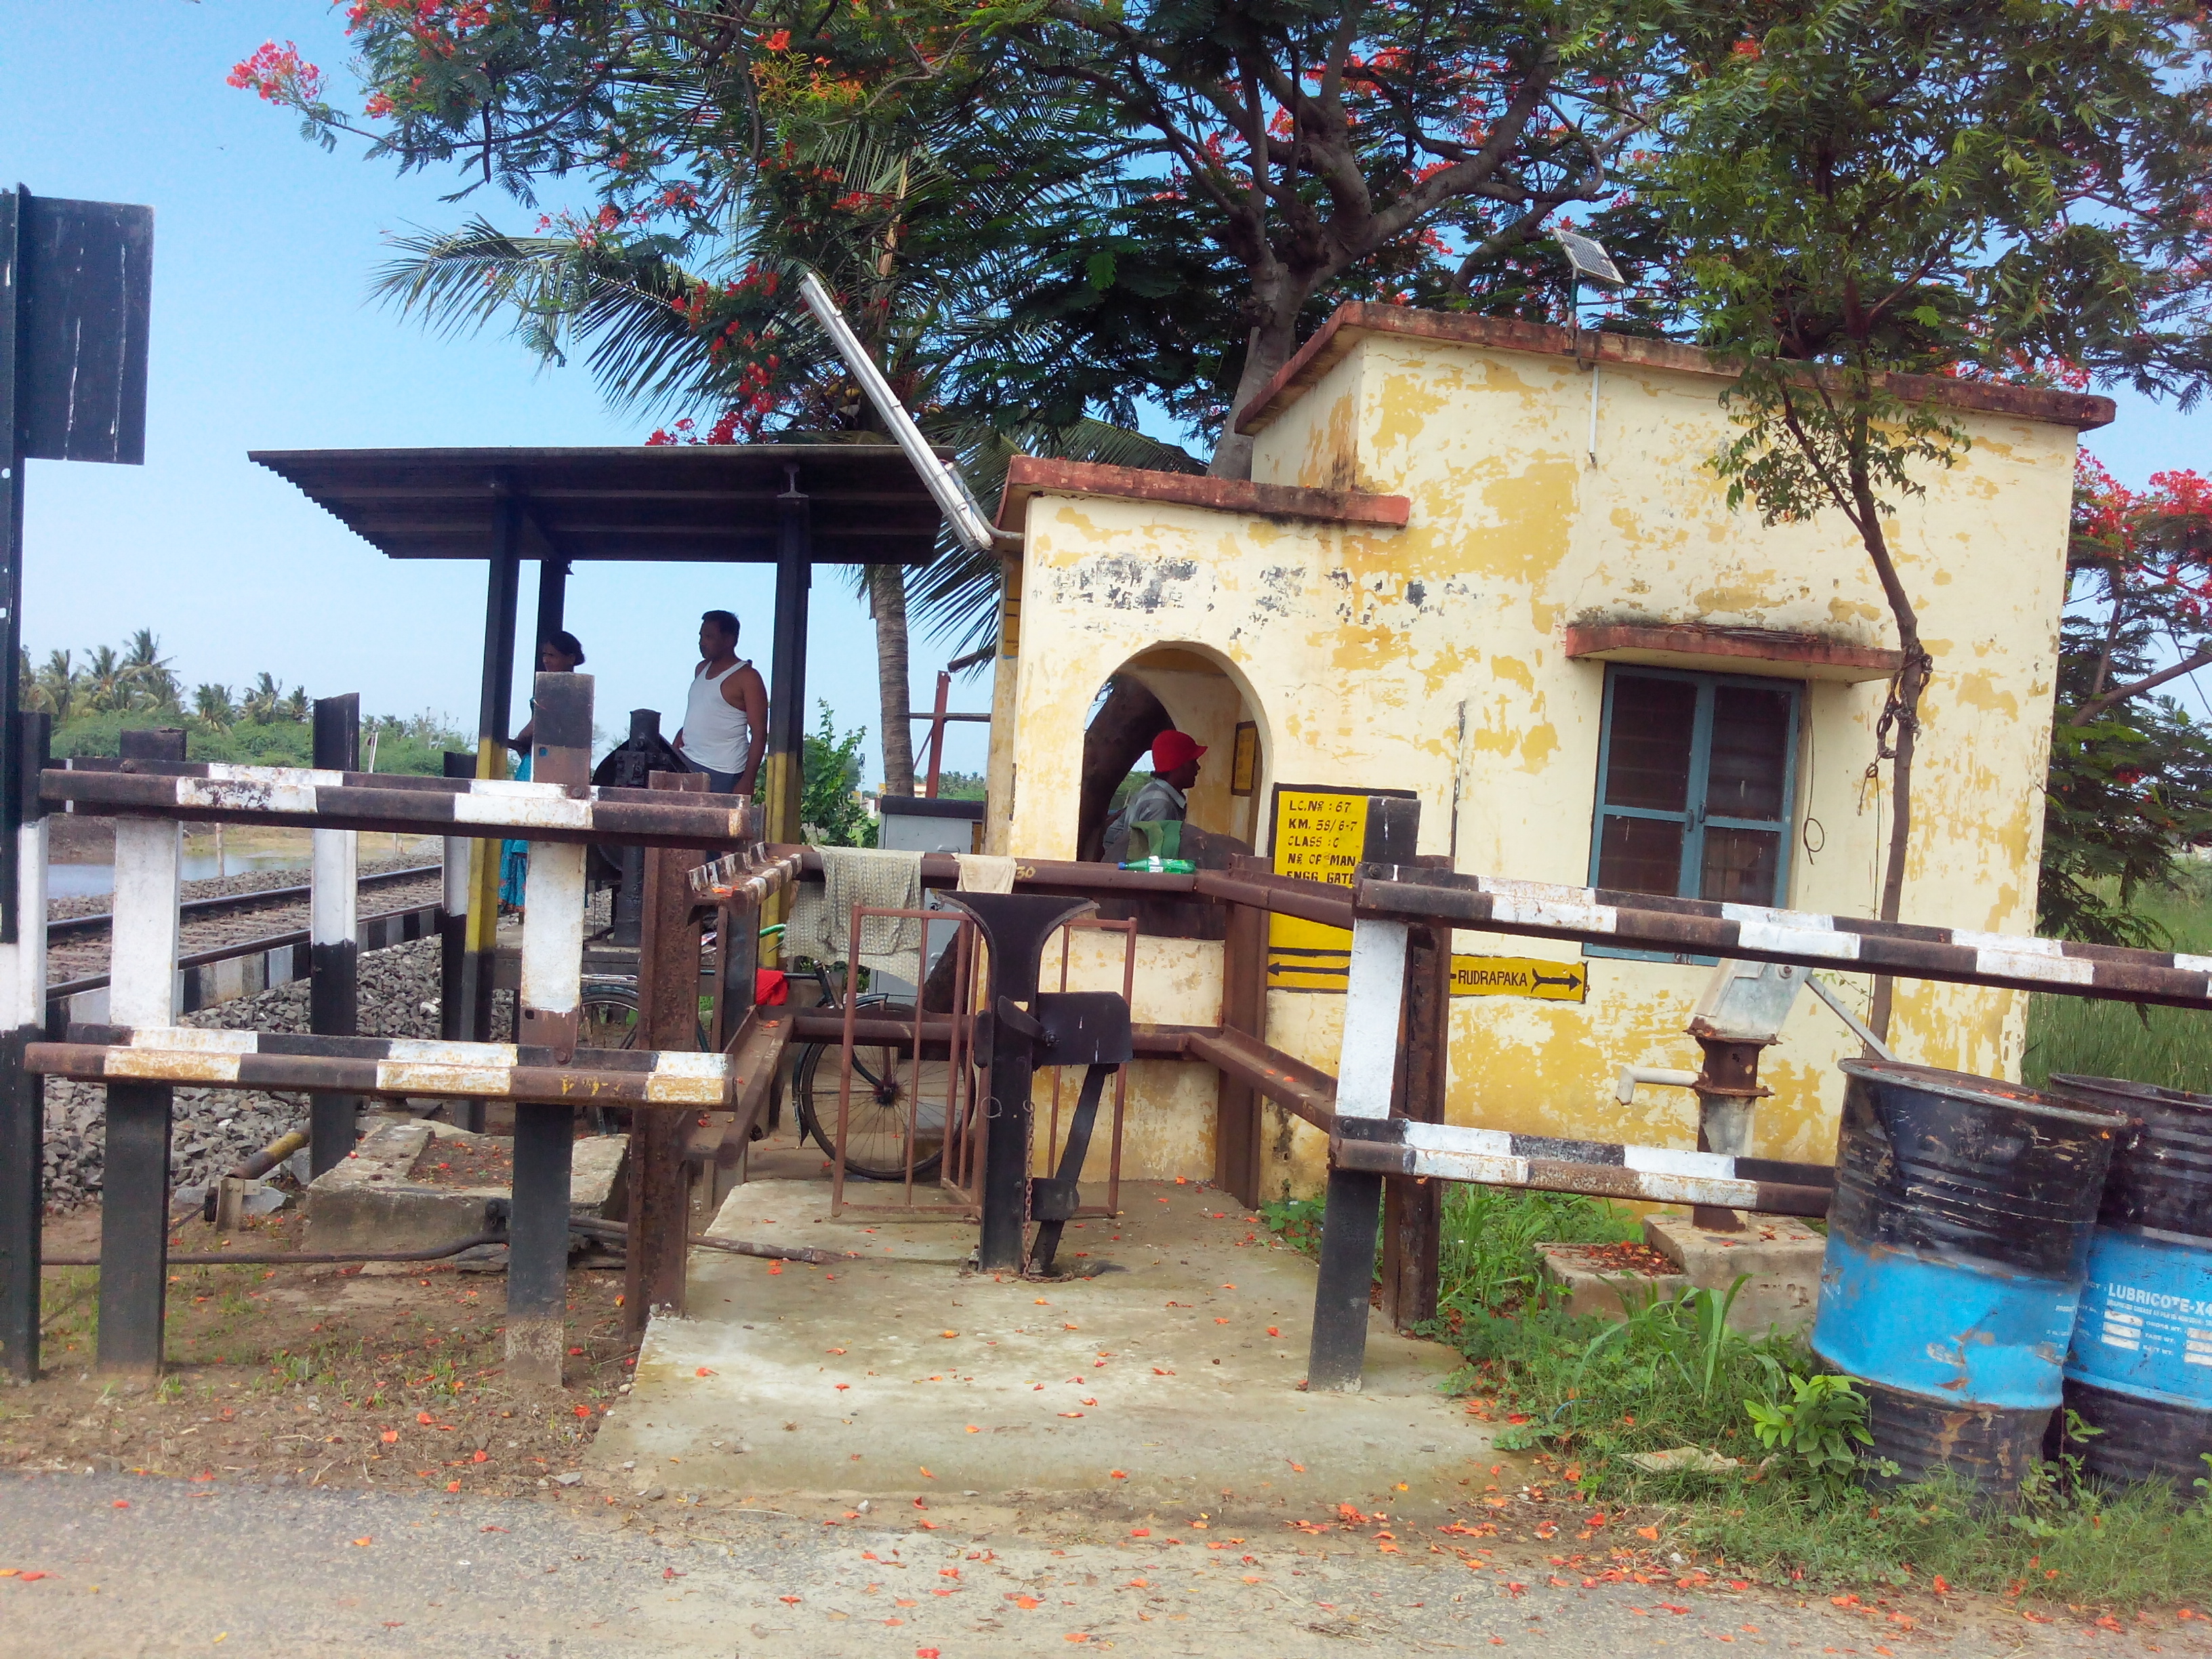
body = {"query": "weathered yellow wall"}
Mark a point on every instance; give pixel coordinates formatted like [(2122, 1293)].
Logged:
[(1431, 659)]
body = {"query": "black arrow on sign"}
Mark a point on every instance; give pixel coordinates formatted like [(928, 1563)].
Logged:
[(1573, 981)]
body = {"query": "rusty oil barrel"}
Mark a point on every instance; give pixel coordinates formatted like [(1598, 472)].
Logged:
[(2141, 1368), (1957, 1247)]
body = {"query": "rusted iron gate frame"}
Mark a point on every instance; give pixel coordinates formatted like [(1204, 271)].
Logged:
[(1389, 894), (1113, 1204), (955, 1029)]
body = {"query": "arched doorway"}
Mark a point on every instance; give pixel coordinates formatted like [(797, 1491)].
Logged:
[(1189, 688)]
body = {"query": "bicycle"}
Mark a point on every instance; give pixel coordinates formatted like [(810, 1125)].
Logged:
[(889, 1083)]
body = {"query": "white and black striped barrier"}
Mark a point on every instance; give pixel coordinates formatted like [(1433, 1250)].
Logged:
[(394, 1067), (141, 1055), (307, 797), (1653, 1175), (1640, 921)]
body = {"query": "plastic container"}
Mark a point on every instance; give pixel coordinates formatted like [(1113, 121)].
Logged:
[(1957, 1243), (2141, 1366)]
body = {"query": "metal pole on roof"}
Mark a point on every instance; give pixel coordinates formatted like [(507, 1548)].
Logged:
[(940, 478)]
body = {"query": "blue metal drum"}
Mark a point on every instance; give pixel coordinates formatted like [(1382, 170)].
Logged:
[(2141, 1368), (1957, 1243)]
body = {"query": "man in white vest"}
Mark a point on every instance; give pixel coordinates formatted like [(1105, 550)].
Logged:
[(726, 720)]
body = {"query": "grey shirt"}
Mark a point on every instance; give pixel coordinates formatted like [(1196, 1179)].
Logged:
[(1156, 801)]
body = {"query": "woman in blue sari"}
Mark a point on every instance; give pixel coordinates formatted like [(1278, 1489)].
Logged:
[(557, 654)]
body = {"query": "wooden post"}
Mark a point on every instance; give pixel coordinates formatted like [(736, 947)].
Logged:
[(1374, 1010), (1413, 1209), (1240, 1119), (656, 1253)]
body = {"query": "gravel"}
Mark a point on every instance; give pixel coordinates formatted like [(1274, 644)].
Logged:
[(250, 881), (215, 1129)]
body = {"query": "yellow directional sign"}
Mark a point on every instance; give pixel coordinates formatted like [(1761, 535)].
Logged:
[(1318, 835), (1519, 976)]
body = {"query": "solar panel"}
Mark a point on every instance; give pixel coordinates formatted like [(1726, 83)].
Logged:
[(1589, 258)]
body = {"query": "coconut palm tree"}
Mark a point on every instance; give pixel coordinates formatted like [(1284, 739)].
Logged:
[(58, 687), (263, 701), (296, 707), (212, 704), (890, 226), (147, 671), (107, 688)]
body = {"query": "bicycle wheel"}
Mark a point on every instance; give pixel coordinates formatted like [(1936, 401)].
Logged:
[(888, 1088), (608, 1015)]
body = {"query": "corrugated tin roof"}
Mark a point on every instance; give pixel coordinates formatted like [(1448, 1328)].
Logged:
[(647, 502)]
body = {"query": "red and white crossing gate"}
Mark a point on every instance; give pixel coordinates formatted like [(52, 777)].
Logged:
[(140, 1054)]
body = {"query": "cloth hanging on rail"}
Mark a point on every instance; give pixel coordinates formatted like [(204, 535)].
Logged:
[(985, 872), (821, 915)]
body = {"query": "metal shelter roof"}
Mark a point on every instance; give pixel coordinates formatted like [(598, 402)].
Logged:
[(646, 502)]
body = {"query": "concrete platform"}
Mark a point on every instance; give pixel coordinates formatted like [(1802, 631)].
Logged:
[(373, 1199), (1169, 1378)]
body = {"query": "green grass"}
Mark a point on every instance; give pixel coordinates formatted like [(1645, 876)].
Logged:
[(2169, 1047), (1582, 1396)]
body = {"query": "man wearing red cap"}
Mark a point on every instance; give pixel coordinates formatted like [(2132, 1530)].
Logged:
[(1164, 797)]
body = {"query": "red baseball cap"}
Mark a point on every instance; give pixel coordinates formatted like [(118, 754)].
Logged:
[(1173, 749)]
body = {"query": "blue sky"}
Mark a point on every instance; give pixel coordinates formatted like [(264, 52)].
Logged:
[(263, 338)]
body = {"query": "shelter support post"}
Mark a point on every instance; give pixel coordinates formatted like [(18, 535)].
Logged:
[(494, 721), (22, 1093), (550, 1000), (783, 772), (1239, 1117), (552, 604), (333, 935), (1412, 1207), (457, 985), (134, 1211), (1374, 1011), (655, 1249)]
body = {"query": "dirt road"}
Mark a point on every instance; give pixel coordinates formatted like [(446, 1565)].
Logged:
[(117, 1566)]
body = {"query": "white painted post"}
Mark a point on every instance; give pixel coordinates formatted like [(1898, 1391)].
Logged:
[(1374, 1002), (141, 952), (553, 935), (23, 964)]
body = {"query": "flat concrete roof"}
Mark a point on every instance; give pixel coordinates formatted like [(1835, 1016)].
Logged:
[(645, 503), (1349, 323)]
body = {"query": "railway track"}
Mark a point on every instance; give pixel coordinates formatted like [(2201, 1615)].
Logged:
[(77, 946)]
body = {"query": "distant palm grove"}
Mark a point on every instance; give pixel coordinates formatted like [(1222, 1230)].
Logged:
[(113, 688)]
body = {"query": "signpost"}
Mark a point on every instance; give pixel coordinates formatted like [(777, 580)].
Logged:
[(76, 297), (1317, 834)]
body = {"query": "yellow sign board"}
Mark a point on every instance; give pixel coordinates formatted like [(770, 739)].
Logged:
[(1519, 976), (1318, 836)]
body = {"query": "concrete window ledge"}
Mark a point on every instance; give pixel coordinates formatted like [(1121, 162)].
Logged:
[(1714, 649)]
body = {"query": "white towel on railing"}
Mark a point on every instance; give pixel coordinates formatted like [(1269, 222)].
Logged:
[(821, 917), (985, 872)]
